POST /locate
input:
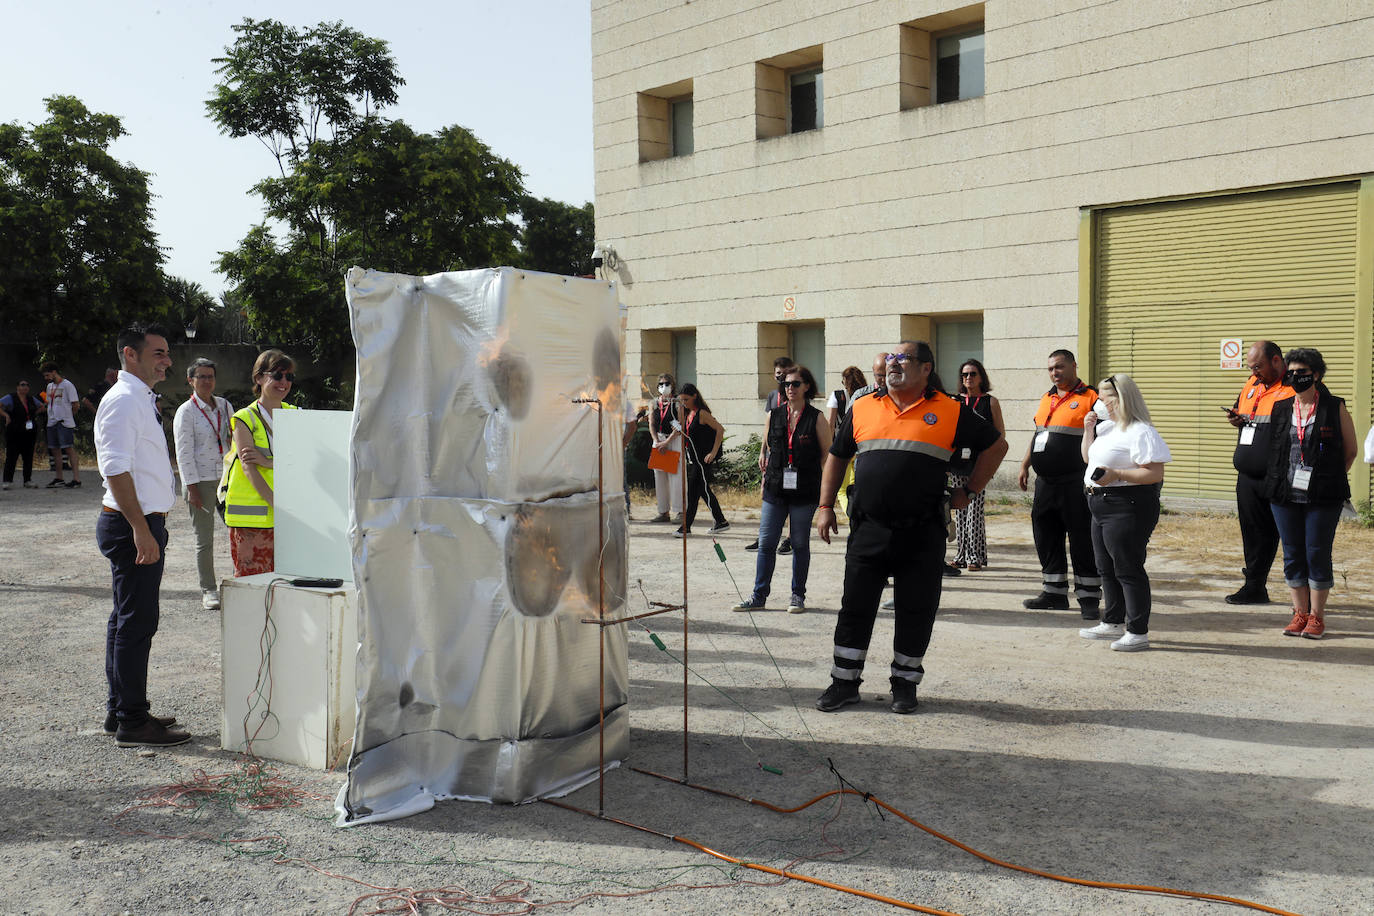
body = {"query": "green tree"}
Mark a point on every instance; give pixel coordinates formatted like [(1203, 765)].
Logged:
[(353, 187), (190, 303), (78, 255), (557, 237)]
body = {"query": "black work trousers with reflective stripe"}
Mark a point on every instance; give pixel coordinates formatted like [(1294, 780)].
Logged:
[(1061, 510), (914, 557), (1259, 536)]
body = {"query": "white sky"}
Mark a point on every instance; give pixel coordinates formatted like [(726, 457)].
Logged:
[(517, 73)]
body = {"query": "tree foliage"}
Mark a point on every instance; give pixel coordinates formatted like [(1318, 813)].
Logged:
[(78, 255), (353, 187), (557, 237)]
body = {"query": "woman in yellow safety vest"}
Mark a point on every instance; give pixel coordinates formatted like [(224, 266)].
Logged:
[(248, 505)]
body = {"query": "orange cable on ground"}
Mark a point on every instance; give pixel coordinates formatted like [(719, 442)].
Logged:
[(1110, 885)]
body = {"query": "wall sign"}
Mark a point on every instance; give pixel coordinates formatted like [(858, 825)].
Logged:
[(1230, 352)]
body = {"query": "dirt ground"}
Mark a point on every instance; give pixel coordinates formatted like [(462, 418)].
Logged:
[(1225, 760)]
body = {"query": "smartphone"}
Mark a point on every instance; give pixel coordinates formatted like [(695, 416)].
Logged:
[(1098, 474)]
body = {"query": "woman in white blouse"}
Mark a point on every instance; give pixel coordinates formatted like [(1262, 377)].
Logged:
[(1126, 459)]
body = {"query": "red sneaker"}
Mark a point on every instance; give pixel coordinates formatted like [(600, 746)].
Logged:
[(1298, 624), (1315, 629)]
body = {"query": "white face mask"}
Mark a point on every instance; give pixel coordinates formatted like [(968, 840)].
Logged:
[(1100, 408), (664, 389)]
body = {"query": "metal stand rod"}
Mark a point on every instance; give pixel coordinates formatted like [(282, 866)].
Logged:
[(685, 732)]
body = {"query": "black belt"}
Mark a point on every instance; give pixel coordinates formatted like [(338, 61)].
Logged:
[(105, 508)]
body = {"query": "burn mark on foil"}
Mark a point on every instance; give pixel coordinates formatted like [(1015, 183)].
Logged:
[(510, 379), (606, 360), (407, 694), (536, 568)]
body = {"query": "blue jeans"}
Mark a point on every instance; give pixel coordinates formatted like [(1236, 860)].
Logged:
[(770, 533), (1307, 532)]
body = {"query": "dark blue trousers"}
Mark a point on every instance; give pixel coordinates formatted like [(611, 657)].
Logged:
[(129, 635)]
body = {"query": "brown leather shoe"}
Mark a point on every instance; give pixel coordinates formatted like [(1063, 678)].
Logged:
[(150, 734), (112, 722)]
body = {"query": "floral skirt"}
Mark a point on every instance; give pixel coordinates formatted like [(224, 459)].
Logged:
[(252, 550)]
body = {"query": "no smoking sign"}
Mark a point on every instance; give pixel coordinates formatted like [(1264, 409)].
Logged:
[(1230, 352)]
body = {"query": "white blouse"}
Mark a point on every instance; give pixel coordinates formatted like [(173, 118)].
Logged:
[(1120, 449)]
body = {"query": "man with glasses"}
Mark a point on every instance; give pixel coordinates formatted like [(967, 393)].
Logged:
[(1259, 535), (907, 435), (200, 430), (1060, 507)]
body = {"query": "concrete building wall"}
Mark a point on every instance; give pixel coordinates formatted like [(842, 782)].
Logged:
[(889, 218)]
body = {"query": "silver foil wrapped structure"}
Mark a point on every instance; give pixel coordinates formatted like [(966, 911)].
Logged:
[(474, 538)]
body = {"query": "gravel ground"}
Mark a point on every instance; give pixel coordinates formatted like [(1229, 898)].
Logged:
[(1225, 760)]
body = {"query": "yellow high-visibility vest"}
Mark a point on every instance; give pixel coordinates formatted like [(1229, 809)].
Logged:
[(244, 508)]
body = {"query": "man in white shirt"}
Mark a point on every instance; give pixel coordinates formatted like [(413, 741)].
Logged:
[(131, 452), (62, 399), (201, 434)]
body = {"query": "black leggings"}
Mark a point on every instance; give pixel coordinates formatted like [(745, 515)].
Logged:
[(699, 486)]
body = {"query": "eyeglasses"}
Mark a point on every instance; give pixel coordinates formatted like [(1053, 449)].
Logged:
[(280, 376), (900, 358), (791, 383), (973, 374)]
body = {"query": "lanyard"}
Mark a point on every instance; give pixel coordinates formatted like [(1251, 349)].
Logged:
[(979, 400), (663, 414), (1054, 405), (790, 431), (1271, 390), (219, 424), (1303, 421), (687, 430)]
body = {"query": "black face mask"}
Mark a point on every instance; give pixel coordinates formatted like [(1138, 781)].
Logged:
[(1301, 381)]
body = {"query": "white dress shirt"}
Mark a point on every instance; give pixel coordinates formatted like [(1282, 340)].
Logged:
[(129, 440), (201, 434)]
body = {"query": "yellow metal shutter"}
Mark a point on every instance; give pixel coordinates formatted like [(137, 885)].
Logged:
[(1171, 280)]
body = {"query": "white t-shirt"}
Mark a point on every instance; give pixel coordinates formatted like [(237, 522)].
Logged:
[(62, 397), (1121, 449)]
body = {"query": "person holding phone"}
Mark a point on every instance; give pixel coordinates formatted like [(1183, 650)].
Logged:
[(1249, 414), (1125, 456)]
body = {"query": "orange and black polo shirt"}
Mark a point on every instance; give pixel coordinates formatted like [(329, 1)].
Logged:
[(903, 454), (1060, 415), (1254, 403)]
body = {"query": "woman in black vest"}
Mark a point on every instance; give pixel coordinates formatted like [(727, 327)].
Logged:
[(970, 530), (795, 443), (702, 435), (1310, 453)]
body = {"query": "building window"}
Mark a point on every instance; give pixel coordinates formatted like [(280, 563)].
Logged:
[(681, 110), (788, 93), (805, 102), (665, 121), (942, 57), (959, 66), (685, 357)]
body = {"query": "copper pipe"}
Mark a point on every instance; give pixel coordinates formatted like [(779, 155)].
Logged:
[(615, 620)]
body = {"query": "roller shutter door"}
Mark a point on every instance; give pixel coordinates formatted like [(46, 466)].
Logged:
[(1172, 279)]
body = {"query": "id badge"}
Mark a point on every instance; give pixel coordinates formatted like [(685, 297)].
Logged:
[(28, 424), (1247, 434), (1042, 439), (789, 478), (1301, 476), (966, 454)]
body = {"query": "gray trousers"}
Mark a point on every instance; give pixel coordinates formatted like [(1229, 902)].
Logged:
[(203, 521), (1123, 519)]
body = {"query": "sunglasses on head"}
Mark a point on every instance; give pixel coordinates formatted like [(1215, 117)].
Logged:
[(791, 383), (279, 375)]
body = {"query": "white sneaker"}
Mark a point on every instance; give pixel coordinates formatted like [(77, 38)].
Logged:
[(1104, 631), (890, 604), (1132, 642), (209, 600), (7, 486), (797, 605)]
